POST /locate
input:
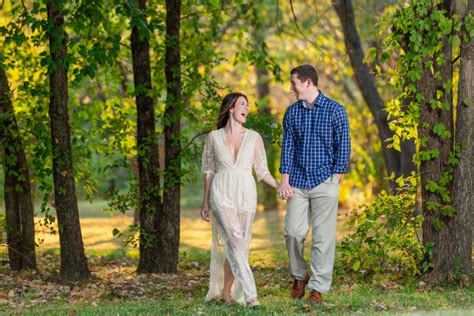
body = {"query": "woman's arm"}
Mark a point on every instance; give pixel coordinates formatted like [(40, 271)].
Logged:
[(207, 188), (209, 169), (271, 181)]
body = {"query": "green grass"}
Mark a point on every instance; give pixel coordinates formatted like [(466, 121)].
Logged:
[(174, 294)]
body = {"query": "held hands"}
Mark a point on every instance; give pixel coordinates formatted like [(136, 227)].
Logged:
[(205, 213), (285, 191)]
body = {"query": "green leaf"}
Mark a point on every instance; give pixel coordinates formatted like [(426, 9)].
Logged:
[(356, 265), (448, 210), (432, 186), (440, 130), (116, 232), (437, 224)]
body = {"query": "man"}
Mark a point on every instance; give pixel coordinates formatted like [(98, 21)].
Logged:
[(315, 154)]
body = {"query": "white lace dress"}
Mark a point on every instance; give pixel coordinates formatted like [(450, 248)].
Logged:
[(233, 202)]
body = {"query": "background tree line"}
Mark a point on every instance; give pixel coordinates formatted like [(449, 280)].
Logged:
[(112, 99)]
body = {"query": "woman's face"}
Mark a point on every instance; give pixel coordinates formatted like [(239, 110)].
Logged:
[(240, 110)]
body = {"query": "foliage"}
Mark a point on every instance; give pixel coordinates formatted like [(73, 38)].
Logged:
[(385, 237), (416, 32)]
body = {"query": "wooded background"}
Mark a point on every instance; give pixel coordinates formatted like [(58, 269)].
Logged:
[(111, 100)]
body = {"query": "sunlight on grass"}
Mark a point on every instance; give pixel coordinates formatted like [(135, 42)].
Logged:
[(267, 241), (96, 233)]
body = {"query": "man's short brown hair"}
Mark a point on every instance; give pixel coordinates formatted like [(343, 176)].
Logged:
[(305, 72)]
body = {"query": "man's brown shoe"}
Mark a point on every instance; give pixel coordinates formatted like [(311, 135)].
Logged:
[(315, 297), (297, 291)]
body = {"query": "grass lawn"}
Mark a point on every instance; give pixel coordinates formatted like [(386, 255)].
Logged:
[(117, 289)]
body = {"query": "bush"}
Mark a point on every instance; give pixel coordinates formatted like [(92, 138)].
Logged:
[(385, 237)]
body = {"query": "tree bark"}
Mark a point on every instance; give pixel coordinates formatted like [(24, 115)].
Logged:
[(439, 240), (73, 259), (148, 155), (170, 219), (17, 190), (459, 253), (400, 163)]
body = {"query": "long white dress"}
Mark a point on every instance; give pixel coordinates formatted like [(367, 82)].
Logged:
[(233, 202)]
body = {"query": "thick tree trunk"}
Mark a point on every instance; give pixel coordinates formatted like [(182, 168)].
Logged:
[(148, 155), (459, 253), (439, 239), (401, 163), (73, 259), (170, 219), (17, 190)]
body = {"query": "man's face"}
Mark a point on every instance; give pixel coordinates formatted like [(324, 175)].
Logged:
[(299, 88)]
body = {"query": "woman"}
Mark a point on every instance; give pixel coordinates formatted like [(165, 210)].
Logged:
[(230, 199)]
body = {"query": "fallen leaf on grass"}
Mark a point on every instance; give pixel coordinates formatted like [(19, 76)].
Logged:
[(379, 306)]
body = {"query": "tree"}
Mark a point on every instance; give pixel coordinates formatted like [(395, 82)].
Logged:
[(170, 218), (263, 92), (460, 245), (73, 259), (396, 161), (429, 32), (437, 129), (150, 206), (18, 200)]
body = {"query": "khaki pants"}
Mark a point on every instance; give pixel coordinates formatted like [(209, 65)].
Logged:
[(318, 208)]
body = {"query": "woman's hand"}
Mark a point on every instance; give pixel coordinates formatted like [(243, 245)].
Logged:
[(205, 213), (285, 191)]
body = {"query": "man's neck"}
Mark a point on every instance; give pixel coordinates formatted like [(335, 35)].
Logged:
[(312, 97)]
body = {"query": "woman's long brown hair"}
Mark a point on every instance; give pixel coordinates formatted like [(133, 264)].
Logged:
[(228, 103)]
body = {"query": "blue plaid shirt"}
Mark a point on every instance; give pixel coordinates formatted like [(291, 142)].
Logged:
[(316, 142)]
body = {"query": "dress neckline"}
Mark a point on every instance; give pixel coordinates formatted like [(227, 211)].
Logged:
[(231, 158)]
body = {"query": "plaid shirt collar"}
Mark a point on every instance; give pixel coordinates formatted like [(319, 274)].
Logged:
[(318, 102)]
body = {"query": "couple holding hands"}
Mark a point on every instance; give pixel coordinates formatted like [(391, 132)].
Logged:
[(315, 153)]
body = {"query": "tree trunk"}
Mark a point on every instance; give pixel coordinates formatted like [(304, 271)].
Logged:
[(263, 91), (17, 191), (148, 155), (439, 239), (400, 163), (73, 259), (170, 219), (459, 253)]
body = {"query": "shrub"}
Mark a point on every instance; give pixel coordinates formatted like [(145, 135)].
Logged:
[(385, 237)]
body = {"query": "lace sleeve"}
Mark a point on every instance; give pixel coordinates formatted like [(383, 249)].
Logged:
[(208, 164), (260, 159)]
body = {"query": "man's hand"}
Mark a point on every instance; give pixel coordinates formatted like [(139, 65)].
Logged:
[(339, 177), (285, 191)]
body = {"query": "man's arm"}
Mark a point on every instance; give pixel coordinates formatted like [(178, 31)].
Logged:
[(341, 142)]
